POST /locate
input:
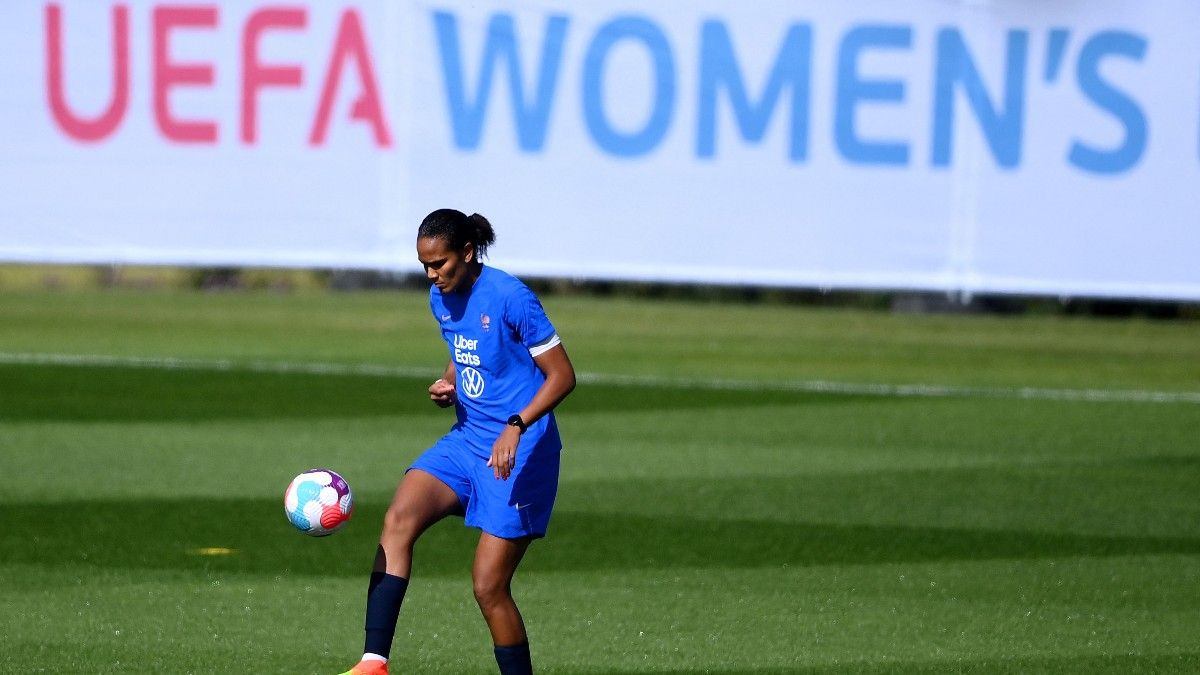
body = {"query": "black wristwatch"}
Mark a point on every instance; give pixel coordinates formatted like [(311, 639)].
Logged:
[(516, 421)]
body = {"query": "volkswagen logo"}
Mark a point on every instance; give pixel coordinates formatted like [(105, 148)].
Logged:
[(472, 382)]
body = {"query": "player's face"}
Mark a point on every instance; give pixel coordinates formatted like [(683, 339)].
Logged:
[(445, 267)]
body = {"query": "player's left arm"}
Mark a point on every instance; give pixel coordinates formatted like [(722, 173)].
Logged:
[(560, 381)]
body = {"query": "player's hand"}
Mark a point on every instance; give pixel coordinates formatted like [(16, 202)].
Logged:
[(442, 393), (504, 453)]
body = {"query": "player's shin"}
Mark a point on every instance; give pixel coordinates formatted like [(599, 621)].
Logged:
[(384, 595)]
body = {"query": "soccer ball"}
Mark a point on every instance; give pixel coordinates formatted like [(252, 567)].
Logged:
[(318, 502)]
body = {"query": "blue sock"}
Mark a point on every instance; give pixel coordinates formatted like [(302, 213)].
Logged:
[(384, 595), (514, 660)]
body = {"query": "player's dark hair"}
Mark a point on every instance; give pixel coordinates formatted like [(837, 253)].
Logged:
[(458, 229)]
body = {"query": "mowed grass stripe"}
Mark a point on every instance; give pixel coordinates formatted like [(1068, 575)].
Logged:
[(930, 617), (161, 534), (755, 343), (808, 386)]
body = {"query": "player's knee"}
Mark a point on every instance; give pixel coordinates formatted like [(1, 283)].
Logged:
[(400, 525), (491, 590)]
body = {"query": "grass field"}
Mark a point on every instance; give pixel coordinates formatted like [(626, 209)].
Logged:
[(716, 514)]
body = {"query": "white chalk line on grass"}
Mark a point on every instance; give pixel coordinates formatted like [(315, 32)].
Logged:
[(231, 365), (718, 384)]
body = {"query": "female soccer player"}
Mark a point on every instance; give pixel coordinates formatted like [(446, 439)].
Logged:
[(498, 465)]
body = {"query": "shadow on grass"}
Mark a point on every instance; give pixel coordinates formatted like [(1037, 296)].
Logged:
[(139, 394), (167, 534), (70, 393), (1187, 662)]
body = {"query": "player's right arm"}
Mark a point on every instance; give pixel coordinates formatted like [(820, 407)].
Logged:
[(442, 391)]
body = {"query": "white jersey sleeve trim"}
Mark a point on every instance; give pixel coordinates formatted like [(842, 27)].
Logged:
[(545, 346)]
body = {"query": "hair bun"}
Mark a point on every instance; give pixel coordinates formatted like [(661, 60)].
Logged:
[(485, 236)]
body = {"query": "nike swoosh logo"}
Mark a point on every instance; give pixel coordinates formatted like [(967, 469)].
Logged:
[(445, 317), (520, 506)]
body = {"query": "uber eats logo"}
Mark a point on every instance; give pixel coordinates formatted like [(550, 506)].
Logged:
[(464, 351)]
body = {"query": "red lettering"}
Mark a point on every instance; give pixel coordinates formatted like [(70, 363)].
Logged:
[(256, 75), (351, 44), (100, 127), (350, 51), (168, 74)]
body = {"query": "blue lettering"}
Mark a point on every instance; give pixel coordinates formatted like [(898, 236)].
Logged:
[(1113, 100), (1001, 129), (642, 141), (467, 115), (852, 90), (1056, 47), (719, 69)]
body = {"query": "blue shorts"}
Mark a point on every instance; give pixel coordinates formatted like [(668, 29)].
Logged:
[(510, 509)]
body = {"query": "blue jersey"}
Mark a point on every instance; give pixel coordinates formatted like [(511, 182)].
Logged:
[(493, 329)]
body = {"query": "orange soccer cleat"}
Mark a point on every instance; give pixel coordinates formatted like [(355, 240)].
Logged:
[(372, 667)]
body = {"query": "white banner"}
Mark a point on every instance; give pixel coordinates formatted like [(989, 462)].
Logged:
[(1006, 146)]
